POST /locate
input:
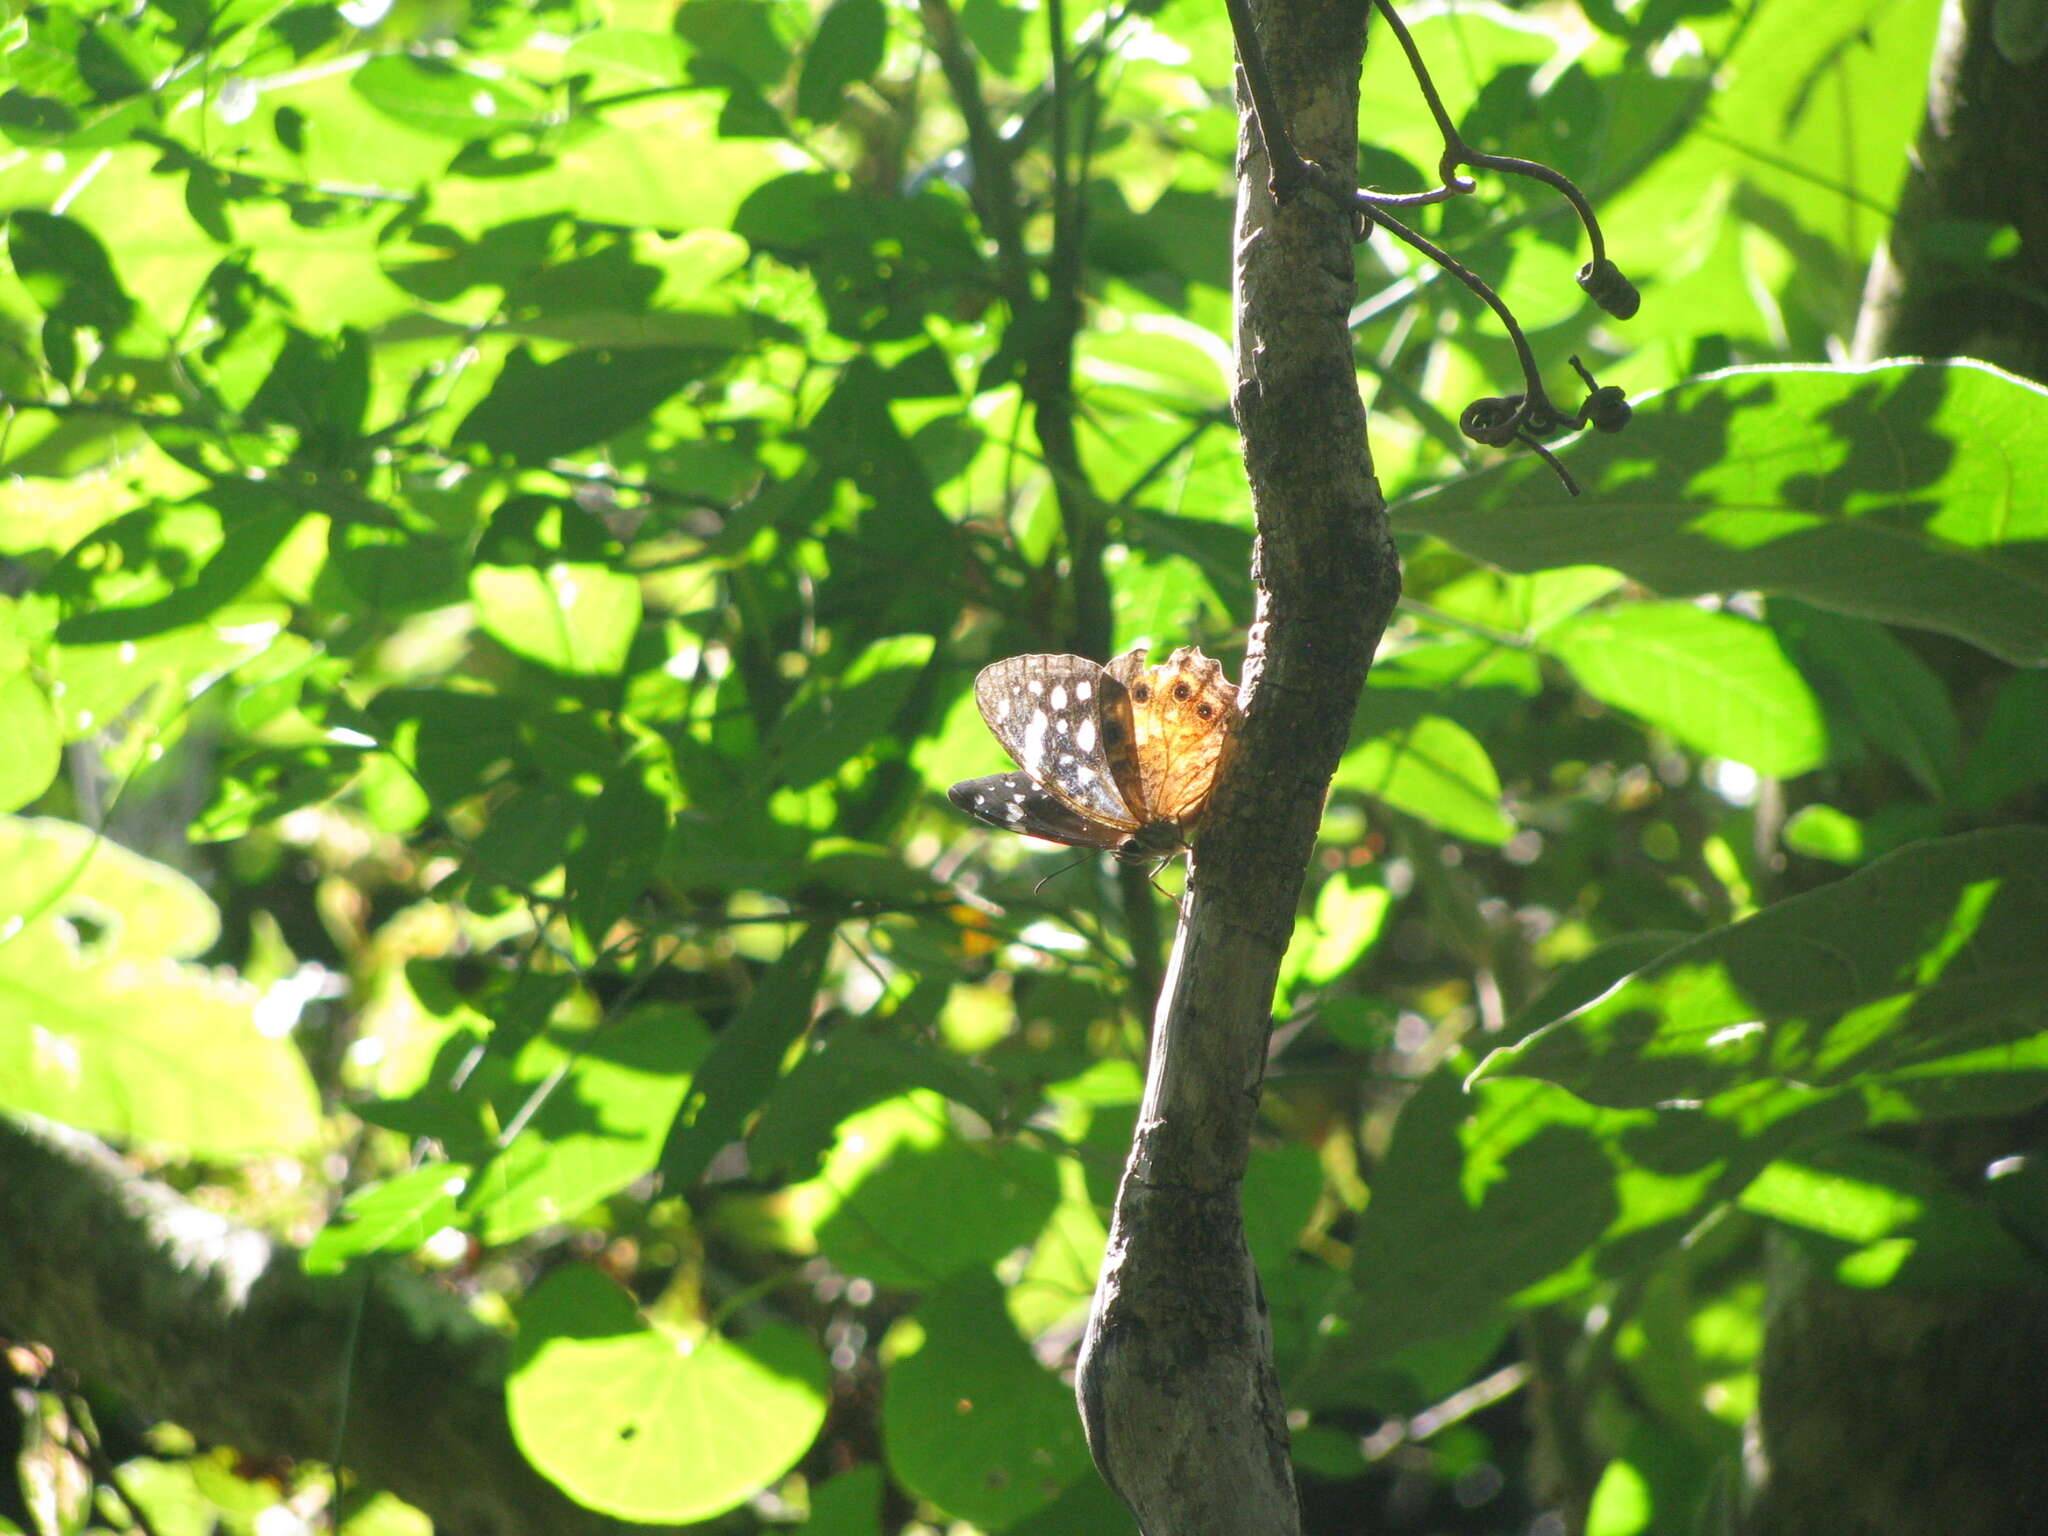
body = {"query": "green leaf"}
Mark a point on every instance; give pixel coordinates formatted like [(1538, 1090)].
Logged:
[(436, 97), (970, 1420), (2011, 755), (648, 1422), (102, 1027), (832, 719), (1925, 963), (65, 270), (1876, 1215), (394, 1216), (1718, 683), (746, 1060), (1351, 909), (915, 1203), (540, 411), (1592, 975), (1885, 492), (544, 589), (1890, 693), (257, 787), (1824, 832), (1426, 765), (601, 1102), (848, 46), (1441, 1246), (28, 722), (623, 833), (847, 1072)]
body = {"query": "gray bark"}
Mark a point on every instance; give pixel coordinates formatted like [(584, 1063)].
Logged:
[(1178, 1394)]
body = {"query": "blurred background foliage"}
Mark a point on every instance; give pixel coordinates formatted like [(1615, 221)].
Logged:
[(503, 506)]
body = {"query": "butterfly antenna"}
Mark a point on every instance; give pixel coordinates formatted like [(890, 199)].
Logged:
[(1058, 872)]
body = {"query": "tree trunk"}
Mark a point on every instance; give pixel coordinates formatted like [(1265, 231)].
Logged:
[(1178, 1395)]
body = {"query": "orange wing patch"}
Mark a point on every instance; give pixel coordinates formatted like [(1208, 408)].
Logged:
[(1184, 715)]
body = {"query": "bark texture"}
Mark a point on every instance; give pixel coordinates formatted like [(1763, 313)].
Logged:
[(1178, 1395), (214, 1326)]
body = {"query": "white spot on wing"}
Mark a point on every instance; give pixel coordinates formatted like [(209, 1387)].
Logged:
[(1058, 697), (1033, 745), (1085, 737), (1083, 691)]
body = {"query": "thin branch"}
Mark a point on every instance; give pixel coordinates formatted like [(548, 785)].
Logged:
[(1286, 173)]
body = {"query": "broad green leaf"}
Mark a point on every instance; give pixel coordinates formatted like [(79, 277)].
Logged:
[(1925, 963), (1811, 116), (746, 1059), (1349, 913), (1886, 492), (101, 1024), (395, 1216), (622, 836), (1891, 695), (1825, 832), (1719, 683), (970, 1420), (651, 1422), (847, 1072), (1440, 1247), (1592, 975), (832, 719), (545, 588), (434, 96), (258, 787), (1879, 1216), (540, 411), (1523, 605), (576, 619), (65, 269), (28, 723), (2011, 755), (601, 1102), (1281, 1187), (847, 47), (908, 1202), (1428, 766)]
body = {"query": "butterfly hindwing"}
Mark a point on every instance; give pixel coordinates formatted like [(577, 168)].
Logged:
[(1060, 718), (1013, 802), (1184, 714)]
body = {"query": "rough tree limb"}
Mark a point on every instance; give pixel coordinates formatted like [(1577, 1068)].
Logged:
[(213, 1326), (1176, 1380)]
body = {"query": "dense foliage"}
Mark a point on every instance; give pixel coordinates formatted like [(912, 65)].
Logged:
[(504, 505)]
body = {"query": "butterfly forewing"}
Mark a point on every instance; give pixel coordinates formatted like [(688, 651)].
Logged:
[(1012, 802), (1062, 718)]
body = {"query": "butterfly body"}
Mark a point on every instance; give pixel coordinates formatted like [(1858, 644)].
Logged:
[(1119, 757)]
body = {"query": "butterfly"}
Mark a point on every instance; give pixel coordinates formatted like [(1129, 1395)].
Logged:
[(1120, 757)]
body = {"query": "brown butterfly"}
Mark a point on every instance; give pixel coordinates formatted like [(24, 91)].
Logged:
[(1120, 757)]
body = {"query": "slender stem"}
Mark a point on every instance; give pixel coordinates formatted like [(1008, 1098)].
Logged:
[(1429, 95), (1457, 153), (1532, 380), (1285, 172), (1062, 91), (994, 188)]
